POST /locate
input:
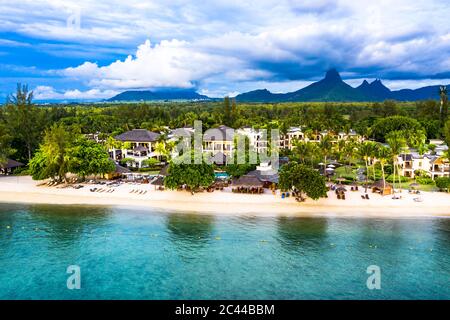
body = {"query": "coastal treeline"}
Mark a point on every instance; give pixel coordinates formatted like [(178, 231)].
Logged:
[(51, 139)]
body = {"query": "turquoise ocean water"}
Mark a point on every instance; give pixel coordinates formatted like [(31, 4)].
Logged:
[(145, 254)]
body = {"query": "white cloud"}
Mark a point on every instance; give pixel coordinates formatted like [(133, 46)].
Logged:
[(167, 64), (225, 46), (49, 93)]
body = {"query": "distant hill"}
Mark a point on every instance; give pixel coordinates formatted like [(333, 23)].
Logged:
[(330, 88), (333, 89), (170, 94)]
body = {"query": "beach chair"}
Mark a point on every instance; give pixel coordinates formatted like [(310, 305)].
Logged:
[(363, 197), (367, 196)]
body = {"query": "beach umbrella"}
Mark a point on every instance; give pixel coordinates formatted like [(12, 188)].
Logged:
[(329, 169), (331, 166), (321, 163), (341, 189), (414, 184)]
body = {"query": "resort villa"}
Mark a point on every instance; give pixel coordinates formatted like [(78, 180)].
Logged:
[(294, 134), (433, 164), (257, 138), (137, 145), (219, 143)]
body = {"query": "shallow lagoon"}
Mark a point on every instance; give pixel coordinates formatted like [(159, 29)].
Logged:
[(141, 254)]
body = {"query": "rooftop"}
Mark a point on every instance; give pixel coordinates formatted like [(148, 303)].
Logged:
[(221, 133), (138, 135)]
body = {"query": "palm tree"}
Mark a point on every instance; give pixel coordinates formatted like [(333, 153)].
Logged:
[(161, 150), (443, 108), (397, 143), (325, 147), (365, 151), (301, 150), (383, 154), (339, 150), (349, 152)]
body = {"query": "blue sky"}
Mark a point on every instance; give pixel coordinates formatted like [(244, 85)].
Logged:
[(95, 49)]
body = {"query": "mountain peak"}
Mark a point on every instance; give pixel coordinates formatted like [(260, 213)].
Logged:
[(365, 84), (378, 85), (333, 75)]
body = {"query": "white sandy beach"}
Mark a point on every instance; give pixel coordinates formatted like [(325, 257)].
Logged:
[(25, 190)]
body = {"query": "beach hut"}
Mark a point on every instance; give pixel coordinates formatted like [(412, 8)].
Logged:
[(158, 183), (9, 166), (248, 184), (268, 178), (383, 189), (118, 172)]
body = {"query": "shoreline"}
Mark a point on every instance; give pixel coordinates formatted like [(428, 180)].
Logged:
[(22, 189)]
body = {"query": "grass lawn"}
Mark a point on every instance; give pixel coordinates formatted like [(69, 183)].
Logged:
[(351, 172), (345, 172), (421, 187)]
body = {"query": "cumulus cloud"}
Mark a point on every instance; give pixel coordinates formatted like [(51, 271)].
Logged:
[(230, 46), (50, 93), (171, 63)]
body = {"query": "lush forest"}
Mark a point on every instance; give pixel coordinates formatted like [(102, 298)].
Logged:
[(25, 126), (23, 123)]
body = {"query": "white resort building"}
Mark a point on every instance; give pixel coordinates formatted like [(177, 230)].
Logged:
[(219, 142), (433, 166), (138, 145)]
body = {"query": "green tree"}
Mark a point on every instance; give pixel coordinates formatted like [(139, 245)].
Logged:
[(382, 127), (5, 144), (383, 154), (325, 147), (365, 152), (193, 176), (443, 183), (397, 142), (52, 157), (86, 157), (305, 180), (444, 104), (24, 120), (447, 132), (227, 111)]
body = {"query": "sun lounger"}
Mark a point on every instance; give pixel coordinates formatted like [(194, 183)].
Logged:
[(362, 196), (367, 196)]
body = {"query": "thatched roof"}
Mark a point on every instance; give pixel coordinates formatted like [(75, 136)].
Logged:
[(222, 133), (379, 185), (248, 181), (158, 181), (271, 177), (138, 135), (120, 169), (11, 164)]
